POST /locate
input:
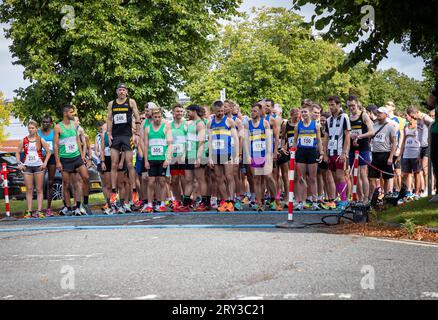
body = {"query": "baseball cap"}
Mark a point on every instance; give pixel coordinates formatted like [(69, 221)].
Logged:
[(383, 110), (151, 105), (121, 85)]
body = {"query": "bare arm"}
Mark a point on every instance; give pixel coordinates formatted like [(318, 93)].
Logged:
[(134, 107), (46, 147), (367, 120), (230, 123), (169, 140), (200, 128), (109, 121), (57, 132), (18, 153)]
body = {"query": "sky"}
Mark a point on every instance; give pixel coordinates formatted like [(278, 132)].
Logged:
[(12, 75)]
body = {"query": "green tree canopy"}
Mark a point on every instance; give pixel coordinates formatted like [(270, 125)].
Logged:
[(410, 23), (79, 53), (4, 115)]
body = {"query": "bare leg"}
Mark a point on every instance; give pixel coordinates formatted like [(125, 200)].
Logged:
[(39, 186)]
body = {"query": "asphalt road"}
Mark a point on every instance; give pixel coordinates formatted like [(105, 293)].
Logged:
[(244, 257)]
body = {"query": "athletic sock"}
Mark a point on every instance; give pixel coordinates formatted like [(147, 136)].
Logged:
[(113, 190), (78, 204), (122, 202), (85, 199), (204, 200), (208, 201), (162, 204), (134, 190), (69, 208)]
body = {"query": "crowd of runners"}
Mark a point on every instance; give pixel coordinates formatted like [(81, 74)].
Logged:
[(213, 157)]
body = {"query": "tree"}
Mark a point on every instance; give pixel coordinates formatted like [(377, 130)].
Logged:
[(4, 116), (272, 55), (406, 22), (77, 51)]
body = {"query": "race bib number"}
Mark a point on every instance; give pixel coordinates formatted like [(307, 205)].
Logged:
[(107, 152), (356, 131), (379, 138), (259, 146), (192, 137), (306, 141), (178, 148), (120, 118), (71, 146), (50, 144), (218, 144), (332, 145), (31, 158), (157, 151), (291, 141)]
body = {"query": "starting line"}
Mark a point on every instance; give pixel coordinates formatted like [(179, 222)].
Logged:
[(169, 226), (320, 212)]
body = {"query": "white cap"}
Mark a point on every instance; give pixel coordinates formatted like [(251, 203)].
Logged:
[(152, 105), (383, 110)]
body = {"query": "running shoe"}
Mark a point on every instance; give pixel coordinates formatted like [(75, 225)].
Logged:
[(113, 198), (121, 210), (35, 215), (49, 213), (86, 208), (182, 208), (315, 207), (299, 207), (223, 206), (278, 206), (213, 202), (108, 211), (143, 210), (105, 207), (63, 211), (162, 209), (343, 205), (135, 197), (40, 214), (245, 201), (307, 205), (27, 214), (77, 212), (201, 207), (238, 206), (149, 209), (127, 208), (328, 205), (230, 207)]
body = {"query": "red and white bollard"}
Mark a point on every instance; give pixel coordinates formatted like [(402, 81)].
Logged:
[(290, 216), (4, 173), (355, 174), (290, 224)]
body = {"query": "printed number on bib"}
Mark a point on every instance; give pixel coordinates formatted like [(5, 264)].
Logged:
[(379, 138), (50, 144), (306, 141), (157, 150), (332, 145), (218, 144), (356, 131), (71, 147), (259, 146), (120, 118), (291, 141), (31, 158)]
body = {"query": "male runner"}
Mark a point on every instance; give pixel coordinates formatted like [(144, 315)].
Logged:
[(120, 128), (70, 158)]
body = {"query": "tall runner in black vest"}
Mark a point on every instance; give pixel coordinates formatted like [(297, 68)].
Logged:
[(120, 134)]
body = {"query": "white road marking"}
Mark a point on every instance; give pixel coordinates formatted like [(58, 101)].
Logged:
[(102, 295), (250, 298), (344, 296), (62, 255), (328, 294), (291, 296), (151, 296), (8, 297), (414, 243), (114, 298), (429, 294)]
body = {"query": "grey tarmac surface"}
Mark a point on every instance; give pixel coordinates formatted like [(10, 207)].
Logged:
[(200, 263)]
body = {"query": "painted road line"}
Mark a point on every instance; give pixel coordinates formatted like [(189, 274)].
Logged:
[(321, 212), (409, 242), (192, 226)]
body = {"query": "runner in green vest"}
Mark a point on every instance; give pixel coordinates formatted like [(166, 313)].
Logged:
[(195, 128), (179, 148), (70, 158), (158, 143)]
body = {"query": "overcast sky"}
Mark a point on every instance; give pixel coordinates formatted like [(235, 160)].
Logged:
[(12, 75)]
